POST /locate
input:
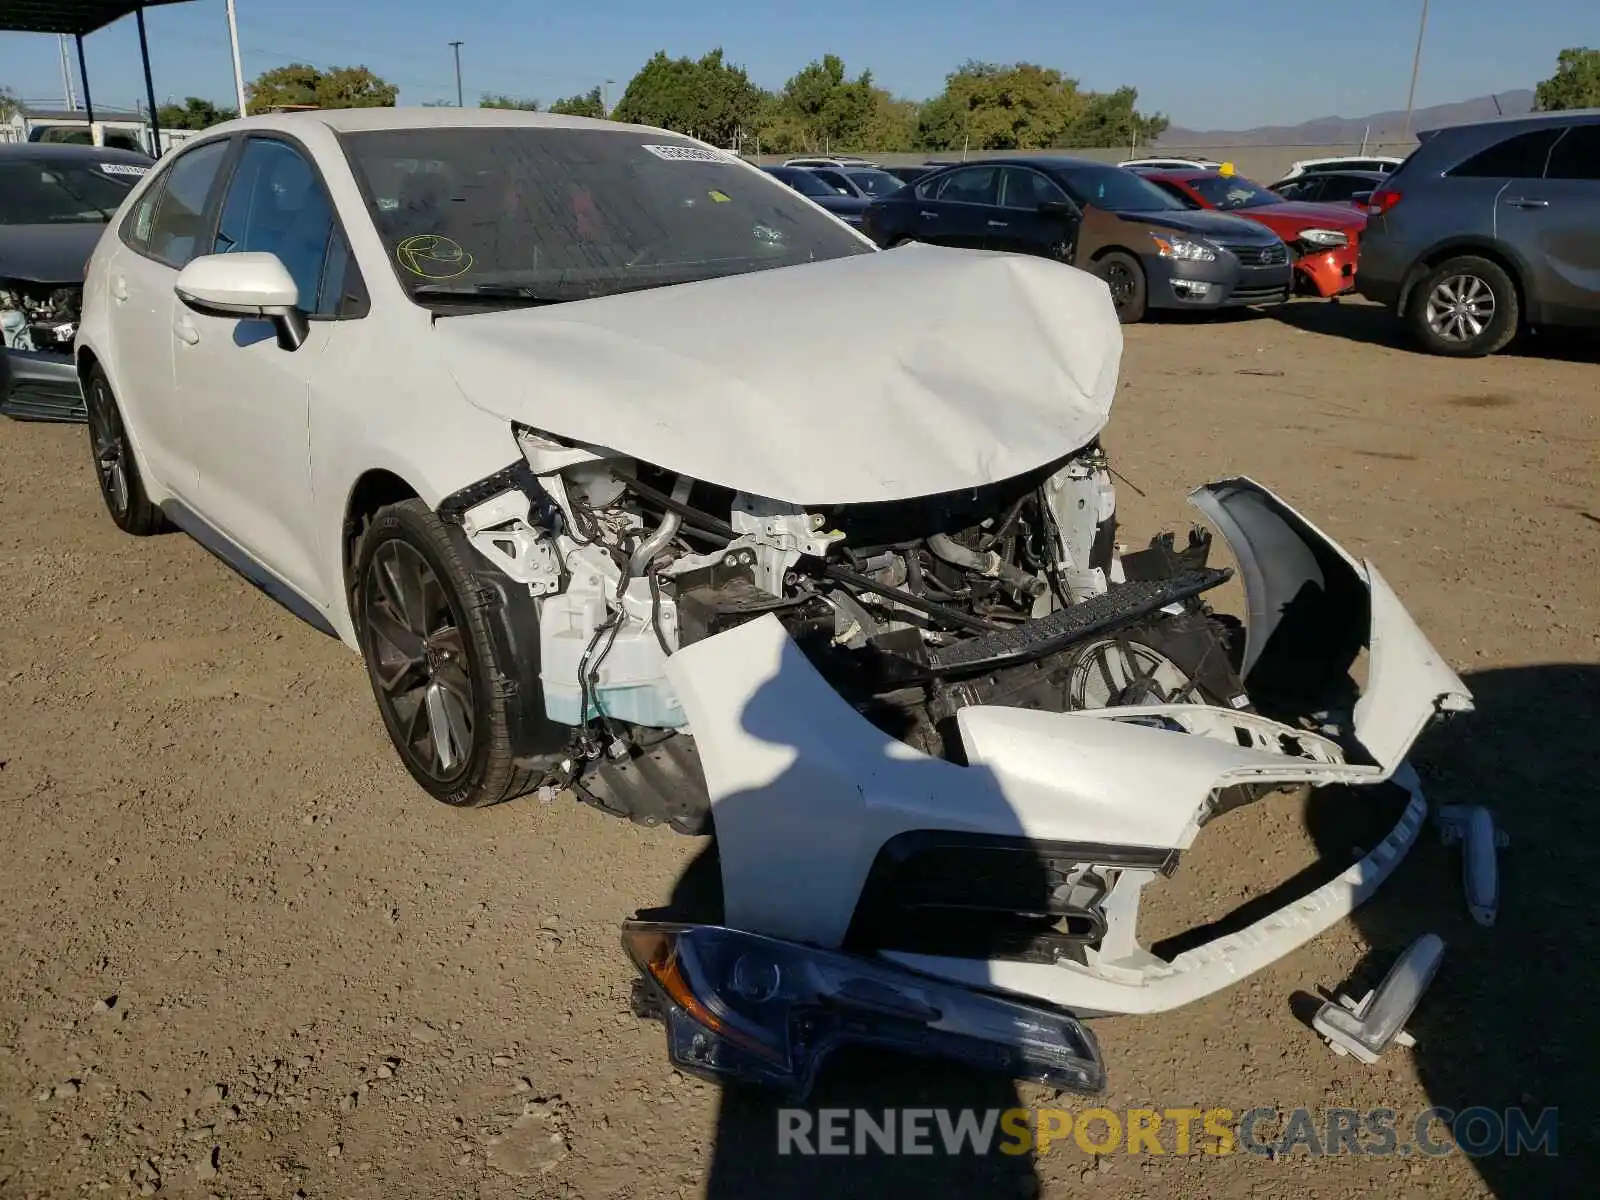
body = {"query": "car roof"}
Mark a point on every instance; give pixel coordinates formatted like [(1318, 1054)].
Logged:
[(1057, 161), (365, 120), (46, 151), (1535, 119)]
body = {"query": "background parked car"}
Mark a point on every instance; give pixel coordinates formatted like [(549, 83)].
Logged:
[(1489, 228), (1382, 163), (809, 184), (865, 182), (1172, 164), (1331, 187), (55, 201), (911, 174), (1152, 250), (1321, 237), (825, 161)]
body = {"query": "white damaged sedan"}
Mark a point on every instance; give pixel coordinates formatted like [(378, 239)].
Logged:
[(632, 473)]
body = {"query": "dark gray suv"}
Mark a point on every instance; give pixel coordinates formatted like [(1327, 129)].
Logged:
[(1488, 228)]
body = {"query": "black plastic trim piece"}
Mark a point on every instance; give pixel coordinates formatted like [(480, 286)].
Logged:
[(235, 556)]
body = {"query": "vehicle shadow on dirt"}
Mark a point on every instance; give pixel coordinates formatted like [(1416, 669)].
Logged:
[(745, 1160), (1374, 325), (1510, 1021)]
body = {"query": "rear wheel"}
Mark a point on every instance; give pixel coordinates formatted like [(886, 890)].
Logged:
[(1465, 308), (432, 660), (1125, 277), (118, 474)]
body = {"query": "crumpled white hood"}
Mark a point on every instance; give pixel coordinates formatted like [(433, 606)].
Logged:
[(875, 377)]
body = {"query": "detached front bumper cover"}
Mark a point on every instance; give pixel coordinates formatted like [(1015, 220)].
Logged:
[(769, 1012)]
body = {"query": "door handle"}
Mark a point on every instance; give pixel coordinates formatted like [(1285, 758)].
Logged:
[(186, 331), (1528, 202), (119, 288), (997, 224), (927, 216)]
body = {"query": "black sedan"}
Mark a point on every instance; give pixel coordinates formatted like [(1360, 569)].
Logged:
[(1152, 251), (806, 181), (55, 201)]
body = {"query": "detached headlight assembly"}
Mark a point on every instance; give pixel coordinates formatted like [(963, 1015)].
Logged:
[(1327, 238), (1183, 249), (740, 1006)]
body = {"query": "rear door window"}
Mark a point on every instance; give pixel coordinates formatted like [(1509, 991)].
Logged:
[(1577, 155), (971, 185), (1521, 156), (177, 230)]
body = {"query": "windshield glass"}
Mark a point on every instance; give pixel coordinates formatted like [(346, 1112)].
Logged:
[(36, 192), (577, 213), (1229, 192), (876, 183), (1116, 190)]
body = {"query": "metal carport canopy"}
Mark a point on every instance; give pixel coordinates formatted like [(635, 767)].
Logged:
[(81, 18)]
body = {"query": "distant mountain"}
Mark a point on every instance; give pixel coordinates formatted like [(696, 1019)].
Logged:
[(1337, 131)]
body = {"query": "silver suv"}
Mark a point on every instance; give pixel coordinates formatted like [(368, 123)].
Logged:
[(1488, 228)]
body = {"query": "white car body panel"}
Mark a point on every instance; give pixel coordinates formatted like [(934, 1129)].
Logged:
[(804, 791), (723, 380), (790, 385)]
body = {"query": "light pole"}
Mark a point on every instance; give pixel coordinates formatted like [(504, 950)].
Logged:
[(1416, 63), (605, 97), (238, 69), (456, 46)]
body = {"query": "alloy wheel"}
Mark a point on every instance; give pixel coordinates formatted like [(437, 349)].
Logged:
[(1460, 308), (419, 659), (109, 444), (1120, 280)]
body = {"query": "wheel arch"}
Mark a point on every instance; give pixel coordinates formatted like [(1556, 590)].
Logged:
[(1478, 247), (374, 489)]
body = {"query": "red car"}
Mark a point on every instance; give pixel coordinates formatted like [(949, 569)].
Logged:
[(1322, 237)]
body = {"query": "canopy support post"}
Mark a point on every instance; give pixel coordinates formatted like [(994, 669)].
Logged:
[(83, 77), (149, 86)]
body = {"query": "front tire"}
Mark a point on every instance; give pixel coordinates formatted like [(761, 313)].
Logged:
[(1125, 277), (121, 487), (1465, 308), (432, 660)]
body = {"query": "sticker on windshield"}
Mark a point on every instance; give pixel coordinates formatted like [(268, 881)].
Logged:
[(687, 154), (433, 257), (123, 169), (719, 197)]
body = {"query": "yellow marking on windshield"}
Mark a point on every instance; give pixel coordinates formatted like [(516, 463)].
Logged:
[(433, 256)]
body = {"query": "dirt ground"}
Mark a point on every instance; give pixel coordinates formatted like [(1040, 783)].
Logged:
[(241, 955)]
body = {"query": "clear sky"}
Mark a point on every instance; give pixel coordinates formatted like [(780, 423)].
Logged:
[(1207, 65)]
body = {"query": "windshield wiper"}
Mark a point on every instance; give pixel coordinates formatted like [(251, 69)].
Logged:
[(469, 293)]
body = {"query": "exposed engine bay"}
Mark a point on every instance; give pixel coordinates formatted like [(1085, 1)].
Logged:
[(39, 317), (1007, 594)]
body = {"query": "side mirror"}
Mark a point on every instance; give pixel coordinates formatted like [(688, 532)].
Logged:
[(1057, 208), (254, 286)]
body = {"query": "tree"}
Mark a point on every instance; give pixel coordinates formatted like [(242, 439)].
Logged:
[(991, 106), (193, 113), (820, 108), (591, 104), (302, 85), (706, 98), (8, 103), (1022, 106), (1110, 119), (355, 87), (1576, 83), (490, 101)]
